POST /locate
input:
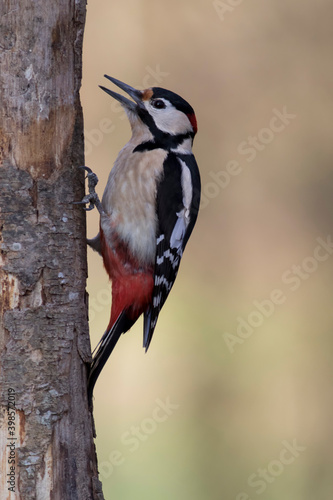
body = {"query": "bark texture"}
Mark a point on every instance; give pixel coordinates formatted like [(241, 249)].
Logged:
[(44, 341)]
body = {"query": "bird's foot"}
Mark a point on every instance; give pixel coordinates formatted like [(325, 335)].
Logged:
[(92, 197)]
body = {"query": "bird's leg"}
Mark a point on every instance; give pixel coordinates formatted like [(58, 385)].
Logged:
[(92, 197)]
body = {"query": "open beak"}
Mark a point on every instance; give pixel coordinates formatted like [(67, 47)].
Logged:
[(135, 94)]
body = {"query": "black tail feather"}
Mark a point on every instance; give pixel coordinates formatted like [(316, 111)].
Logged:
[(106, 346)]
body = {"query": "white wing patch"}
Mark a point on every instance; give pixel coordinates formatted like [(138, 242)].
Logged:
[(183, 220)]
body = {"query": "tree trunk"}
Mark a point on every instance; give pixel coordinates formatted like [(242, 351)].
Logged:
[(46, 441)]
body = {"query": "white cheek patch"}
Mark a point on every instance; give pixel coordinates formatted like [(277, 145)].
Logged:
[(169, 119), (183, 220)]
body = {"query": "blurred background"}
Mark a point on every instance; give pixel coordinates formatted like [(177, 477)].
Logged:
[(234, 398)]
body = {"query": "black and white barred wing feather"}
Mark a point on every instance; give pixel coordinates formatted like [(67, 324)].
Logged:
[(178, 197)]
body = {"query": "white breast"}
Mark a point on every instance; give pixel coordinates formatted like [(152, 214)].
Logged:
[(129, 200)]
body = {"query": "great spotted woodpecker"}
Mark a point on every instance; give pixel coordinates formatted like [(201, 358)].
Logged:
[(148, 211)]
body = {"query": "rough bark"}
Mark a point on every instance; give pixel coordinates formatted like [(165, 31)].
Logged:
[(44, 342)]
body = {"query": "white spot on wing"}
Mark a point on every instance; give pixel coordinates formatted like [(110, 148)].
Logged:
[(167, 255), (161, 280), (157, 300), (159, 260)]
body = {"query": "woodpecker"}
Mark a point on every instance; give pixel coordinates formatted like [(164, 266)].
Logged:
[(147, 213)]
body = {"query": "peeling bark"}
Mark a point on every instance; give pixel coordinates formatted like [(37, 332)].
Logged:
[(44, 343)]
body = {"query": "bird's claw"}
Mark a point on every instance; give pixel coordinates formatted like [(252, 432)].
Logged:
[(87, 169), (92, 178), (92, 197), (86, 199)]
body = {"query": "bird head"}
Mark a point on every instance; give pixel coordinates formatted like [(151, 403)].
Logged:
[(162, 111)]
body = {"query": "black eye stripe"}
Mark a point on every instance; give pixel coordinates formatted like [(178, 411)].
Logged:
[(158, 104)]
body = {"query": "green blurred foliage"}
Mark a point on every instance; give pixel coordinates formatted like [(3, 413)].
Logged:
[(267, 187)]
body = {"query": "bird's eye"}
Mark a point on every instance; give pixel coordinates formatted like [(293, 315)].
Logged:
[(158, 104)]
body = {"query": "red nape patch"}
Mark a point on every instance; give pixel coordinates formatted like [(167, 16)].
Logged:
[(193, 121)]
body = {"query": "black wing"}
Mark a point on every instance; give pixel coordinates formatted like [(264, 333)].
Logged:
[(178, 199)]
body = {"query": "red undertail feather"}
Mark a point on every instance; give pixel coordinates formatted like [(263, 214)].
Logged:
[(132, 286), (131, 293)]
